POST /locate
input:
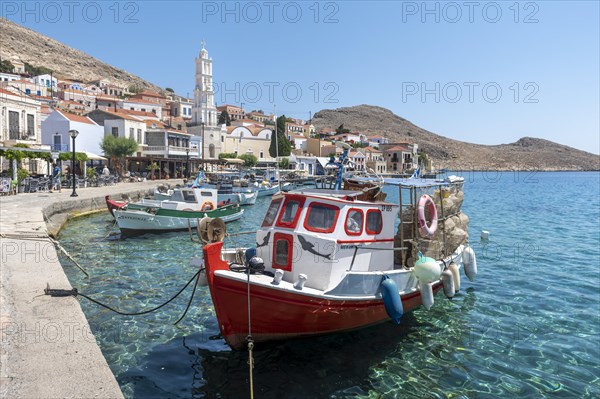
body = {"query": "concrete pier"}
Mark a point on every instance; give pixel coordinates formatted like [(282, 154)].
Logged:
[(47, 349)]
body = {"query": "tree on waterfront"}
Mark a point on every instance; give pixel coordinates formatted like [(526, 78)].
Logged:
[(224, 118), (117, 148), (283, 144), (284, 163), (250, 160)]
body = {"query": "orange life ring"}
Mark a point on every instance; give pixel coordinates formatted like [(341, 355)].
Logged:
[(426, 201), (207, 206)]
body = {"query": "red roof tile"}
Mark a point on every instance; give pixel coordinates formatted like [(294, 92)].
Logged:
[(76, 118)]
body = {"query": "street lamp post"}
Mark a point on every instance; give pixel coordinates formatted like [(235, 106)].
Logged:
[(187, 162), (73, 134)]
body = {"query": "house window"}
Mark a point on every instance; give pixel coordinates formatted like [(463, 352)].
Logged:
[(211, 151), (13, 125), (262, 155), (271, 212), (139, 135), (374, 221), (354, 222), (222, 139), (115, 131), (131, 132), (321, 217), (30, 125)]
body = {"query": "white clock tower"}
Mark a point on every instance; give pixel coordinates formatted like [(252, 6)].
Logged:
[(204, 110)]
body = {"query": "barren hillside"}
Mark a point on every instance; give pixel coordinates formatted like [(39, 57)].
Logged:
[(526, 154), (66, 62)]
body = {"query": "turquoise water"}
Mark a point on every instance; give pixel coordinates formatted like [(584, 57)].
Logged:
[(529, 326)]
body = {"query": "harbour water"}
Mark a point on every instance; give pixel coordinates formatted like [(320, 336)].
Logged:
[(528, 326)]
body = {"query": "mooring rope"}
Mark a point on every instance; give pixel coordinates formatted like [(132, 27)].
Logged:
[(74, 292), (27, 237), (250, 341)]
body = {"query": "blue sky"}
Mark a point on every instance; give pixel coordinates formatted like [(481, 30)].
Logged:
[(482, 72)]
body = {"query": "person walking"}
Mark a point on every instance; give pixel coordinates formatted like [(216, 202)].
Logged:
[(55, 177)]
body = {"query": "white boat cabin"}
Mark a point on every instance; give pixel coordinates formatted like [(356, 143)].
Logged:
[(195, 199), (324, 234)]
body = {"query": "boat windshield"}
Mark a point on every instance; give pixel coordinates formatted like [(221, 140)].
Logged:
[(271, 212)]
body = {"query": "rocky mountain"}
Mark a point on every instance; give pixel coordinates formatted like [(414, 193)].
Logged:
[(527, 153), (65, 62)]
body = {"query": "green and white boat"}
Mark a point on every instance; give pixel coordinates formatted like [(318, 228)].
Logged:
[(134, 222)]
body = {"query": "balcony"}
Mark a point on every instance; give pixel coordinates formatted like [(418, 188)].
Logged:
[(165, 150), (59, 147)]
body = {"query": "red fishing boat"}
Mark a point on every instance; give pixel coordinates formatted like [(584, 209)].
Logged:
[(327, 262)]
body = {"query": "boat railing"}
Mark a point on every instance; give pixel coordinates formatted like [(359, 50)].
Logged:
[(408, 214)]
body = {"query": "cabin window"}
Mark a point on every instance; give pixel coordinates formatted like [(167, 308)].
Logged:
[(290, 214), (282, 251), (188, 196), (205, 194), (374, 221), (271, 212), (321, 217), (354, 222)]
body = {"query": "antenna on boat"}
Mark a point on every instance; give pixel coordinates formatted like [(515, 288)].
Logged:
[(276, 148)]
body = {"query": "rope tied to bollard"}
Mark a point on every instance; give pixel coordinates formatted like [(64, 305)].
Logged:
[(54, 292)]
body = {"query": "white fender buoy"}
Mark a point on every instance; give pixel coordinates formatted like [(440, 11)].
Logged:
[(426, 295), (448, 283), (300, 283), (196, 261), (453, 268), (470, 263), (427, 270)]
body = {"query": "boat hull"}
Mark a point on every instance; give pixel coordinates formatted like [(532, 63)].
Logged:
[(265, 192), (114, 204), (137, 222), (281, 315)]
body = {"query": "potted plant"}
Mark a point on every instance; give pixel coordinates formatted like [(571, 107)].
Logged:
[(22, 174), (152, 167)]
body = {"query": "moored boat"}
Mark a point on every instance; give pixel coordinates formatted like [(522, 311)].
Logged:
[(113, 204), (327, 262), (150, 219), (189, 199)]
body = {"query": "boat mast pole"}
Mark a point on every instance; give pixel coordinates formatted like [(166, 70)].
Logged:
[(276, 148)]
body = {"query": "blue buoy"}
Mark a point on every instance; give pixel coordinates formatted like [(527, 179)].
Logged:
[(391, 299)]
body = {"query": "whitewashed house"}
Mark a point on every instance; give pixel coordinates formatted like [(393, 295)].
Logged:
[(55, 132), (20, 124), (141, 105), (119, 124), (8, 77), (300, 142), (47, 81)]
